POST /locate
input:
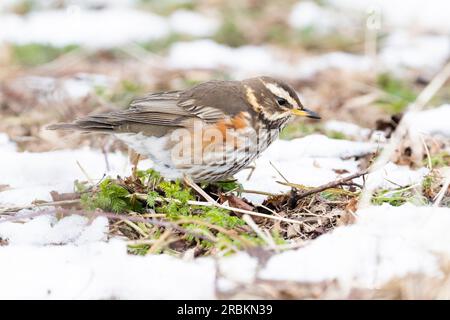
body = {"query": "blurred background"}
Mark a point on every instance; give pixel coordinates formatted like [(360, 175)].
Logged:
[(355, 61)]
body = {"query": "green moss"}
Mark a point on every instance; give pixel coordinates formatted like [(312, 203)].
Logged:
[(37, 54), (441, 159), (398, 93), (228, 186), (171, 198), (400, 196), (140, 249), (111, 197)]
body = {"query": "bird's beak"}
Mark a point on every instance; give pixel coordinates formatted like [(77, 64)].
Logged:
[(305, 113)]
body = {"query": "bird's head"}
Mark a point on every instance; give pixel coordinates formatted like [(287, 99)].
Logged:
[(274, 100)]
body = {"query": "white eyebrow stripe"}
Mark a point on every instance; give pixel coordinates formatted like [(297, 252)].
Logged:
[(280, 92)]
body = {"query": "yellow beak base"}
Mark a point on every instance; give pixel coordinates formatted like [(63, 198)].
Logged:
[(305, 113)]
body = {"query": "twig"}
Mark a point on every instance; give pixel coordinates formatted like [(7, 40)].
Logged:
[(430, 164), (329, 185), (36, 205), (160, 242), (112, 216), (444, 189), (84, 172), (252, 213), (264, 193), (218, 205), (258, 231)]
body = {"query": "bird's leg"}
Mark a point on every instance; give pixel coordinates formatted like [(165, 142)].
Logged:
[(134, 159), (252, 168), (197, 188)]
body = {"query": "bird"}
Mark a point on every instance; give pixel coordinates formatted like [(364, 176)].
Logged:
[(208, 132)]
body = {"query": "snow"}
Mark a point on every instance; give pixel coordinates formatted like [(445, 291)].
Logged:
[(432, 16), (393, 176), (207, 54), (386, 242), (308, 14), (427, 53), (430, 121), (100, 270), (33, 175), (78, 86), (46, 230), (47, 4), (192, 23), (310, 161), (5, 144), (349, 129), (90, 28), (317, 145), (308, 67)]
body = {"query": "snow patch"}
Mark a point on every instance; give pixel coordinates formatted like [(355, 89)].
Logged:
[(431, 121), (431, 16), (33, 175), (427, 53), (192, 23), (46, 230), (207, 54), (91, 28), (347, 128), (386, 242), (100, 271)]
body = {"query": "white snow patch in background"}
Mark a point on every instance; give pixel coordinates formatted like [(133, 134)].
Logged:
[(308, 67), (90, 28), (431, 121), (207, 54), (386, 242), (431, 15), (100, 271), (192, 23), (427, 53), (8, 5), (308, 14), (322, 19), (347, 128), (77, 86)]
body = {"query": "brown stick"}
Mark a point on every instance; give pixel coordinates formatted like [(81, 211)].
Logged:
[(109, 215), (329, 185)]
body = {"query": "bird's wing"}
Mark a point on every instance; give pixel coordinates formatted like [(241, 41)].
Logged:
[(209, 102)]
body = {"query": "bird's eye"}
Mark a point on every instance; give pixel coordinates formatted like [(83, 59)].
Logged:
[(282, 101)]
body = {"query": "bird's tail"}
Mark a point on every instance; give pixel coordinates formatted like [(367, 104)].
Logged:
[(89, 124)]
